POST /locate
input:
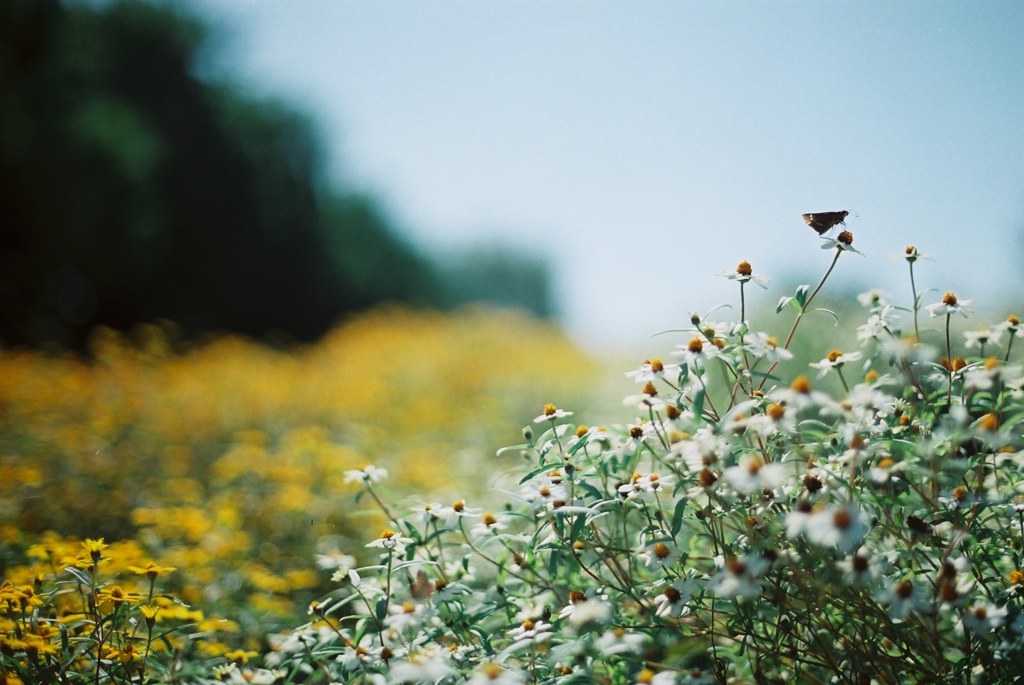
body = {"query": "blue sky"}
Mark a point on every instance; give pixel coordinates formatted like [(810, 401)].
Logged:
[(645, 147)]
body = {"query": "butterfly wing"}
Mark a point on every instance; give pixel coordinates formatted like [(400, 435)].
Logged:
[(823, 221)]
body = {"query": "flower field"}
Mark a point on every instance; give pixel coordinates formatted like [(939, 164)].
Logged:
[(754, 518), (226, 460)]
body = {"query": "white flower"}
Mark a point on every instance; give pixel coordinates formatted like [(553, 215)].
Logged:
[(697, 351), (752, 475), (903, 599), (647, 400), (765, 346), (949, 305), (660, 554), (652, 369), (843, 242), (530, 631), (651, 484), (842, 527), (739, 577), (367, 474), (428, 666), (981, 617), (873, 298), (390, 540), (491, 673), (835, 360), (981, 337), (672, 601), (489, 526), (618, 641), (334, 560), (552, 413), (860, 570), (588, 611), (879, 322), (743, 273)]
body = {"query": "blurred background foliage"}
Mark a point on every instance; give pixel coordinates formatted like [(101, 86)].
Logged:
[(133, 190)]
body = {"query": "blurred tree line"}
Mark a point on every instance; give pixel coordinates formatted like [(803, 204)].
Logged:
[(132, 190)]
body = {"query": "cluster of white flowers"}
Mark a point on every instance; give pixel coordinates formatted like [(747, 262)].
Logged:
[(757, 530)]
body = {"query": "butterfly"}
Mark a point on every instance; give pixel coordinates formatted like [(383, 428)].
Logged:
[(822, 221)]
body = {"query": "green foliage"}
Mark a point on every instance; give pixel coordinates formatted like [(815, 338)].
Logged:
[(133, 190)]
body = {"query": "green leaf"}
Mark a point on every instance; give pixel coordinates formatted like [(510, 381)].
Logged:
[(677, 516), (827, 311)]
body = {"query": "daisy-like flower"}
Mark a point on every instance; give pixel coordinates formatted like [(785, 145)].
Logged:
[(842, 527), (739, 577), (753, 475), (649, 677), (873, 298), (904, 598), (860, 570), (647, 400), (953, 582), (701, 450), (367, 474), (835, 360), (409, 616), (491, 673), (949, 305), (800, 395), (650, 484), (660, 554), (982, 337), (765, 346), (545, 492), (552, 413), (1012, 326), (489, 526), (842, 242), (881, 322), (697, 352), (672, 601), (653, 369), (982, 617), (618, 641), (587, 612), (332, 560), (983, 376), (435, 513), (911, 254), (744, 273), (390, 540), (530, 631), (426, 666)]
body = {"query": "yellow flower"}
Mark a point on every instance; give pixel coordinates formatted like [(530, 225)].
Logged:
[(151, 570), (94, 548)]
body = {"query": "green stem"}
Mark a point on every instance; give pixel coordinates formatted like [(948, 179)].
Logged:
[(913, 290), (949, 360), (800, 316)]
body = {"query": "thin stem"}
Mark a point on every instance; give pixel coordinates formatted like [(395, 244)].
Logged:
[(913, 290), (800, 316), (949, 359)]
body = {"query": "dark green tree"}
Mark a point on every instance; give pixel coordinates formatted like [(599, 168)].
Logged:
[(132, 190)]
